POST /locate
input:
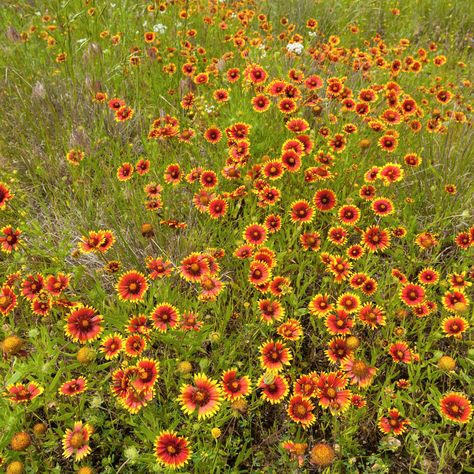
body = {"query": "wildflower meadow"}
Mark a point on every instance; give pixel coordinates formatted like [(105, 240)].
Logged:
[(236, 236)]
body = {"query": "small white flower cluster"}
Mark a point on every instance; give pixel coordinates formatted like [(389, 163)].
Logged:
[(296, 48), (159, 28), (209, 108)]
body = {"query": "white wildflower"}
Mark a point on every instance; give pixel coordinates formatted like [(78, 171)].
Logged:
[(296, 48)]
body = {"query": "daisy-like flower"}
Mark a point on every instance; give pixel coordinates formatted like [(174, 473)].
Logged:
[(73, 387), (372, 316), (306, 385), (349, 214), (158, 268), (400, 352), (454, 326), (458, 280), (291, 161), (300, 410), (190, 322), (382, 207), (233, 386), (274, 387), (75, 156), (325, 200), (84, 324), (138, 324), (165, 316), (8, 300), (393, 422), (375, 239), (456, 407), (280, 286), (338, 349), (112, 345), (217, 208), (331, 391), (123, 113), (9, 239), (340, 268), (210, 288), (135, 345), (147, 374), (202, 395), (131, 286), (428, 276), (171, 450), (339, 322), (32, 286), (320, 305), (270, 310), (290, 330), (134, 400), (5, 195), (358, 371), (348, 302), (56, 284), (125, 171), (23, 393), (274, 355), (255, 234), (355, 252), (301, 212), (76, 441), (412, 295), (296, 450), (311, 241), (454, 301), (194, 267), (259, 273)]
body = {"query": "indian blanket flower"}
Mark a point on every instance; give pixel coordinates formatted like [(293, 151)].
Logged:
[(32, 286), (5, 195), (73, 387), (300, 410), (76, 441), (296, 450), (393, 422), (172, 451), (358, 371), (375, 239), (306, 385), (274, 387), (274, 355), (23, 393), (84, 324), (320, 305), (112, 345), (456, 407), (9, 239), (400, 352), (234, 386), (8, 300), (331, 391), (372, 316), (255, 234), (194, 267), (165, 316), (202, 395), (454, 326), (147, 374), (338, 349), (412, 295), (132, 286), (454, 301)]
